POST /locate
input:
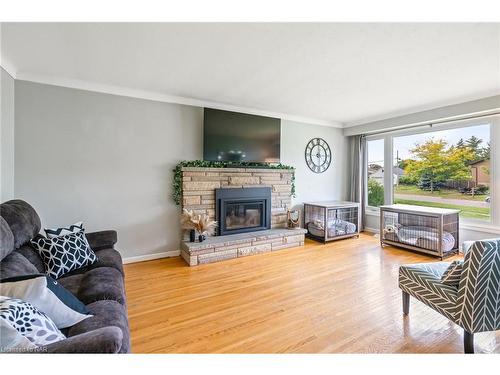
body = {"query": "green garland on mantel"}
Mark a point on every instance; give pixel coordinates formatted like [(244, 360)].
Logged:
[(177, 184)]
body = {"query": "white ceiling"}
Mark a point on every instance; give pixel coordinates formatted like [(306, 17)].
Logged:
[(331, 72)]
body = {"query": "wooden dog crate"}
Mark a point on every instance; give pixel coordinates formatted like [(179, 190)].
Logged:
[(429, 230), (331, 220)]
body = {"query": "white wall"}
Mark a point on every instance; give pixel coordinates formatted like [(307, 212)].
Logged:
[(311, 186), (103, 159), (107, 160), (6, 136)]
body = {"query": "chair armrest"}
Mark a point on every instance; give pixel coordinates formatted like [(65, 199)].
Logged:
[(102, 340), (102, 240)]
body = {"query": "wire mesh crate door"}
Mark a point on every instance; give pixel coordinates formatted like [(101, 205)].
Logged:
[(390, 226), (314, 220), (342, 221)]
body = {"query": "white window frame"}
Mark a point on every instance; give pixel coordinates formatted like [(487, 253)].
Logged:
[(494, 123), (387, 192)]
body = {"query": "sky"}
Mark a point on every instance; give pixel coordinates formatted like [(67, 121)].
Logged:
[(404, 144)]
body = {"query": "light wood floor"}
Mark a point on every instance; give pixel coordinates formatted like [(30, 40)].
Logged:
[(341, 297)]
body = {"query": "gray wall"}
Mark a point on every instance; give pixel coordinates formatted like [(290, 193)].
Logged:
[(107, 160), (103, 159), (312, 186), (6, 136)]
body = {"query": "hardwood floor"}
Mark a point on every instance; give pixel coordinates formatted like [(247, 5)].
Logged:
[(342, 297)]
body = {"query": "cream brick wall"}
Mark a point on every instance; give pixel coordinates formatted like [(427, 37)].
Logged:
[(199, 184)]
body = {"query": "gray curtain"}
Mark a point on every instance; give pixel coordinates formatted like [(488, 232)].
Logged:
[(356, 187)]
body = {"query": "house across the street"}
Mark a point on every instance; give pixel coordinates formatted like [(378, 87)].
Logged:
[(480, 172)]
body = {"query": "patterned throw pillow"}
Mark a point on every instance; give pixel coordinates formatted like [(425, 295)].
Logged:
[(11, 341), (58, 232), (30, 322), (64, 254), (453, 273)]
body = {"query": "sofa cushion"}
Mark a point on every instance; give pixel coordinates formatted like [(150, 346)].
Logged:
[(32, 255), (15, 264), (105, 258), (103, 283), (71, 282), (105, 313), (108, 258), (104, 239), (6, 239), (23, 220), (63, 254), (103, 340)]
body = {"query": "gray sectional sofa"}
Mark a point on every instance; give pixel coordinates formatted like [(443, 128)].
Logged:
[(99, 286)]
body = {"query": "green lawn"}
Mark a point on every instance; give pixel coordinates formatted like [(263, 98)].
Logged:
[(443, 193), (466, 212)]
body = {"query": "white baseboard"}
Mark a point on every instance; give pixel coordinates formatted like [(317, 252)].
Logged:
[(371, 230), (143, 258)]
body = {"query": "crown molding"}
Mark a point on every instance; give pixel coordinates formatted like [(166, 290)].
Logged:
[(486, 96), (8, 67), (160, 97)]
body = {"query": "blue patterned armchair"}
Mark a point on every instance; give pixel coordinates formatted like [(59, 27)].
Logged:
[(468, 295)]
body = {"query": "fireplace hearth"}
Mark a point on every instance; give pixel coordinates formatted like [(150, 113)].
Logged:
[(241, 210)]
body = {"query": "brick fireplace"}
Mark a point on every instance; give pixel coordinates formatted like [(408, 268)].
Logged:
[(199, 184), (199, 187)]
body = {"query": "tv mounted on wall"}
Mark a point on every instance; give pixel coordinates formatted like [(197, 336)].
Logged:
[(234, 137)]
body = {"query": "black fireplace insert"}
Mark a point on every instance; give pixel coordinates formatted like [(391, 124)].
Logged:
[(240, 210)]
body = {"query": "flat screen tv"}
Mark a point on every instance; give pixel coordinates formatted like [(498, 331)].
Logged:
[(234, 137)]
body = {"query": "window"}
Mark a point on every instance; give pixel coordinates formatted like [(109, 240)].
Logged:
[(446, 166), (375, 172)]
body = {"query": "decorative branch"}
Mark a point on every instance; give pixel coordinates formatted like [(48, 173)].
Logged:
[(201, 223)]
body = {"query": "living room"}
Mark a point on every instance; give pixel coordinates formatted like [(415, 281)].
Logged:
[(198, 187)]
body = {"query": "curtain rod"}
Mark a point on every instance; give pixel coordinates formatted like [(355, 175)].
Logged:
[(432, 123)]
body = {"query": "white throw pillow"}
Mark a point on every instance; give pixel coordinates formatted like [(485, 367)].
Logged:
[(48, 296)]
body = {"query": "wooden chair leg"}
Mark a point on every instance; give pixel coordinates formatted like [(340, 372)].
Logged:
[(468, 343), (406, 303)]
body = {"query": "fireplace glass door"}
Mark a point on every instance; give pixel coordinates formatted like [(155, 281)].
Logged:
[(239, 215), (241, 210)]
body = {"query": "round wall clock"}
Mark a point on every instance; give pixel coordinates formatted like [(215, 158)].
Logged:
[(318, 155)]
